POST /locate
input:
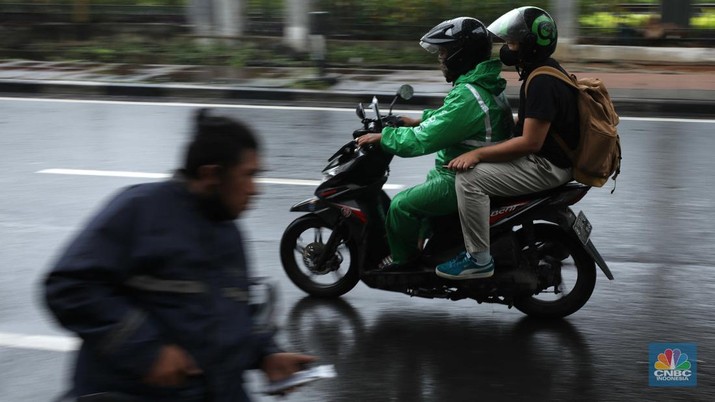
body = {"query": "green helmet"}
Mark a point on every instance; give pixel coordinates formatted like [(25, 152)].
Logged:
[(531, 27)]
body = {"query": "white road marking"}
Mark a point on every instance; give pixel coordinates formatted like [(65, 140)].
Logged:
[(196, 104), (39, 342), (299, 108), (105, 173), (144, 175)]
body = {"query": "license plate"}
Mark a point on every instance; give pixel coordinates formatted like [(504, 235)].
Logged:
[(582, 227)]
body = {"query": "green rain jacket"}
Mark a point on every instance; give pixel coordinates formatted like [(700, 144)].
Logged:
[(475, 113)]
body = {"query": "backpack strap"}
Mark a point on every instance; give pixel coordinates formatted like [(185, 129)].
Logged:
[(571, 81), (553, 72)]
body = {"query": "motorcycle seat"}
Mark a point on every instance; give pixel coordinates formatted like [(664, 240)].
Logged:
[(501, 201)]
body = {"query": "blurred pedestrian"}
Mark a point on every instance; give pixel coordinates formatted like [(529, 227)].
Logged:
[(156, 284)]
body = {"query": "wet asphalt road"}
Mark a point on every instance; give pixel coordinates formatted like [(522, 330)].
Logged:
[(655, 231)]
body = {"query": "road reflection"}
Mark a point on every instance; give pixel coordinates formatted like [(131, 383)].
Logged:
[(411, 358)]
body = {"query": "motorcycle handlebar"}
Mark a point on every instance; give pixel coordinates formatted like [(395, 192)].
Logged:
[(375, 125), (393, 120)]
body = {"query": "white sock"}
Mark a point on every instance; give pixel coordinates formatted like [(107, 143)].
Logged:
[(481, 257)]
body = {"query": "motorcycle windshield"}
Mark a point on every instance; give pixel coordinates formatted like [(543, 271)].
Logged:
[(510, 27)]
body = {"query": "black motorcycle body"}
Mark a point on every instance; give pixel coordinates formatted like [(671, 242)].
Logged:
[(544, 259)]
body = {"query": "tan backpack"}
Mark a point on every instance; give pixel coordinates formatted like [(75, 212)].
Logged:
[(598, 153)]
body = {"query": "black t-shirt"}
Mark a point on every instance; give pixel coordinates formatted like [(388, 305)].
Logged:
[(554, 101)]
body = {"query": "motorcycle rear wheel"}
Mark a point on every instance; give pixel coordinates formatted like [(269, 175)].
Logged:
[(302, 244), (551, 239)]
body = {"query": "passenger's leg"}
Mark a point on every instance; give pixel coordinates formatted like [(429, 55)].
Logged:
[(474, 187), (525, 175)]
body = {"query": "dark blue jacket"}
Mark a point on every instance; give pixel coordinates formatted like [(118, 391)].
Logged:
[(150, 270)]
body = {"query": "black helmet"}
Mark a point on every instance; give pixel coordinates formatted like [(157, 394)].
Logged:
[(531, 27), (466, 41)]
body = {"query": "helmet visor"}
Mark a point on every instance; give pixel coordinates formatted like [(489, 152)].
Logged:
[(434, 49), (510, 27)]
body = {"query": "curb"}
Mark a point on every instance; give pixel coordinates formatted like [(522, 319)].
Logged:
[(643, 106), (635, 54)]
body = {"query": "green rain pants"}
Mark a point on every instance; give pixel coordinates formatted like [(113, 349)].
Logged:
[(406, 218)]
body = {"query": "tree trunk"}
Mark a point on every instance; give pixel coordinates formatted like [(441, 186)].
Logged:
[(565, 15), (676, 12), (199, 13), (228, 17), (297, 27)]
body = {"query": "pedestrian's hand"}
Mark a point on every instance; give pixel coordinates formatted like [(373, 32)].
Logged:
[(279, 366), (369, 138), (171, 367), (463, 162)]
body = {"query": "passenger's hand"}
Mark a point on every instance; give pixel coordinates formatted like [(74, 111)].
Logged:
[(464, 161), (369, 138), (279, 366), (171, 367)]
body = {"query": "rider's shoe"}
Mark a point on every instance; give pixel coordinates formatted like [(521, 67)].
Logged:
[(463, 266), (387, 261), (388, 265)]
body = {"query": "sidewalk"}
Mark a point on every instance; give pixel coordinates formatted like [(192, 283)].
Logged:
[(669, 88)]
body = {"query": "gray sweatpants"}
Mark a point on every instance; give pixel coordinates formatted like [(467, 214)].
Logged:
[(525, 175)]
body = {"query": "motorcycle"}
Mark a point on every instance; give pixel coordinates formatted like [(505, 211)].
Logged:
[(544, 258)]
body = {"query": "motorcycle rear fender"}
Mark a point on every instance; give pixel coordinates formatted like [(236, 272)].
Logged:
[(566, 222), (565, 218)]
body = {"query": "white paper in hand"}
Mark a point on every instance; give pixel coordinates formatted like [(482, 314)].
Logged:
[(300, 378)]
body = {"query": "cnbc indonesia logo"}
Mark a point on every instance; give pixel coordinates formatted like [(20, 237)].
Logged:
[(672, 366)]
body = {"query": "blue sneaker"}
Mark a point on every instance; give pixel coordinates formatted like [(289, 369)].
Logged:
[(463, 266)]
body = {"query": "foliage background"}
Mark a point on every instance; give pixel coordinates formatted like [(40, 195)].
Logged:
[(368, 33)]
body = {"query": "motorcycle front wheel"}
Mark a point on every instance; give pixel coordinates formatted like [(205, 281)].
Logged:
[(565, 270), (302, 245)]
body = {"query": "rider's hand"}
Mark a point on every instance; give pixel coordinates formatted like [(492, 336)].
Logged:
[(393, 121), (410, 122), (279, 366), (369, 138), (171, 367), (464, 161)]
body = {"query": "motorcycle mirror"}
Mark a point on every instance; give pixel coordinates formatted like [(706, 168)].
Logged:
[(405, 92), (378, 118), (360, 111), (375, 108)]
